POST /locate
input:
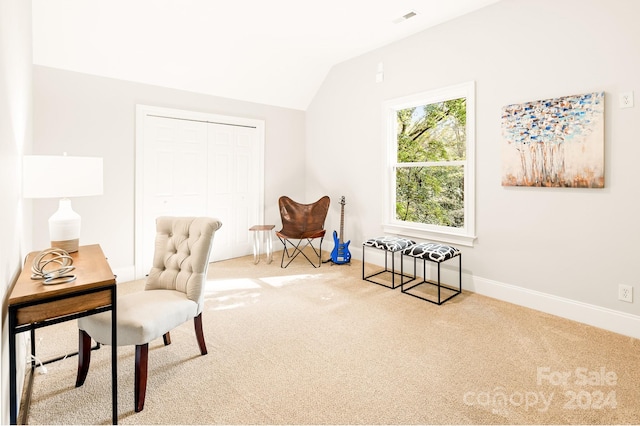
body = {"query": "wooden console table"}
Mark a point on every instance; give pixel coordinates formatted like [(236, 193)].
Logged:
[(33, 305)]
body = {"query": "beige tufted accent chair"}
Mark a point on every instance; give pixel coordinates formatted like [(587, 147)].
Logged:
[(173, 294)]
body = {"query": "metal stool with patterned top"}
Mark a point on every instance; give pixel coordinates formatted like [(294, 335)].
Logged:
[(437, 253), (391, 245)]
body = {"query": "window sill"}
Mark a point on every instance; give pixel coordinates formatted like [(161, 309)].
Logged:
[(430, 235)]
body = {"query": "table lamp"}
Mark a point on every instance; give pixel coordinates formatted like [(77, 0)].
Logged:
[(62, 177)]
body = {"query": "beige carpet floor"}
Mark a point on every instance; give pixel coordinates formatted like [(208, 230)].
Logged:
[(322, 346)]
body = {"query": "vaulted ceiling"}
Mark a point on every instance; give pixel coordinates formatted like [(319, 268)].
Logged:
[(275, 52)]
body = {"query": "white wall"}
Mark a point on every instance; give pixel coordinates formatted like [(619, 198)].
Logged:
[(95, 116), (15, 139), (564, 247)]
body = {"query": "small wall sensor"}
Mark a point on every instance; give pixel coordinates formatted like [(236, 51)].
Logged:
[(380, 73)]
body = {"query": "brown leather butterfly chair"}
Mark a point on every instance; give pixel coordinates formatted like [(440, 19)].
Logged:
[(301, 224)]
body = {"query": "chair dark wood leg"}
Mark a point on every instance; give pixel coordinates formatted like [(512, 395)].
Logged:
[(166, 338), (197, 322), (142, 357), (84, 356)]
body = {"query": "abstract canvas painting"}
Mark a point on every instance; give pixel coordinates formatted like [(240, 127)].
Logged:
[(554, 142)]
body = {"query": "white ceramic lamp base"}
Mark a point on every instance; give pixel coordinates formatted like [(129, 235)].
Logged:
[(64, 227)]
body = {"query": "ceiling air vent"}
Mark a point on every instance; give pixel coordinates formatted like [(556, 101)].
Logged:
[(404, 17)]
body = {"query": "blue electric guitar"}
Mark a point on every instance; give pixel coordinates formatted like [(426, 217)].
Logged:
[(340, 253)]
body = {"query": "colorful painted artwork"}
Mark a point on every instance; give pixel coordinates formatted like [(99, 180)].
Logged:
[(554, 142)]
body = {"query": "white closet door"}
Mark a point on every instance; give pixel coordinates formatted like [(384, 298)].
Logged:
[(175, 174), (234, 186), (189, 164)]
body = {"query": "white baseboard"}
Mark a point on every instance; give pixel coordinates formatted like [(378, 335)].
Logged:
[(605, 318)]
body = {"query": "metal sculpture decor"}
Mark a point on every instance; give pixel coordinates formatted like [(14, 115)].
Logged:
[(554, 142), (53, 266)]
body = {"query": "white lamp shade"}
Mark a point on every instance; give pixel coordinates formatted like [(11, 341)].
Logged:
[(62, 177), (47, 176)]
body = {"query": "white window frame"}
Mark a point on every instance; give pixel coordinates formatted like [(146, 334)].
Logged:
[(461, 236)]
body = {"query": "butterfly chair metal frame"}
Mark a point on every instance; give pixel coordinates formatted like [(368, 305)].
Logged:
[(301, 224)]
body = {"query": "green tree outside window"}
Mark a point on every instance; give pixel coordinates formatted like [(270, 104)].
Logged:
[(431, 156)]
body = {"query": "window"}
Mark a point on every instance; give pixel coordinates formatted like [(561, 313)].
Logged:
[(430, 165)]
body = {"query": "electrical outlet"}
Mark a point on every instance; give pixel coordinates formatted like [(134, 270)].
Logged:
[(626, 100), (625, 293)]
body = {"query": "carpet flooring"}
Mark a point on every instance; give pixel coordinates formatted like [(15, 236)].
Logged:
[(321, 346)]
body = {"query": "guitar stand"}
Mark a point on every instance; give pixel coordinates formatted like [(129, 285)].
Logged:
[(335, 263)]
